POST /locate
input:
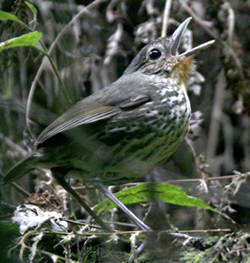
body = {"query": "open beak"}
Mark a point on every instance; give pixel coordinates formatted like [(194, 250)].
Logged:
[(176, 39)]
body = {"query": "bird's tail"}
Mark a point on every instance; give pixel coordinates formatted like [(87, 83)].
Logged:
[(18, 170)]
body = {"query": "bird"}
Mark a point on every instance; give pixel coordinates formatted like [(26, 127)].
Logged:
[(122, 132)]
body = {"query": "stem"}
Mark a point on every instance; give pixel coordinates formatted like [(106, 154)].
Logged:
[(47, 54), (165, 17)]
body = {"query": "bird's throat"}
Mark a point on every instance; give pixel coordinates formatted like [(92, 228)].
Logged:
[(183, 69)]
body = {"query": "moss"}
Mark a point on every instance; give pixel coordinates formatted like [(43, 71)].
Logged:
[(230, 248)]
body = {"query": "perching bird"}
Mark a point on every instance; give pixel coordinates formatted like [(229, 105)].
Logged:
[(125, 130)]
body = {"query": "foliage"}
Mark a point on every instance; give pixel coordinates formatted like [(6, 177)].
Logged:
[(147, 192)]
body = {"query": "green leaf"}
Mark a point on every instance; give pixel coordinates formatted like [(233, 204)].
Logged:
[(8, 16), (29, 39), (34, 11), (147, 192), (31, 7)]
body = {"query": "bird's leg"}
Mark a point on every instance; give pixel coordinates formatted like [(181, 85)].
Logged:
[(60, 179), (131, 215)]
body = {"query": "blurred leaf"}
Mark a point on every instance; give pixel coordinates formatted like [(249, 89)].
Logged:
[(160, 192), (34, 11), (32, 8), (29, 39), (8, 16)]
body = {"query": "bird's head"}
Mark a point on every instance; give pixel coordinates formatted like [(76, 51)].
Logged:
[(161, 57)]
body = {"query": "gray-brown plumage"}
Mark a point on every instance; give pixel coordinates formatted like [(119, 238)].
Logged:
[(122, 132)]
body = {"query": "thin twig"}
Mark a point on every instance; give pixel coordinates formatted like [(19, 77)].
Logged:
[(200, 22), (167, 8), (226, 177), (143, 231), (193, 180), (20, 189), (15, 146), (78, 222), (206, 230), (231, 24), (213, 135)]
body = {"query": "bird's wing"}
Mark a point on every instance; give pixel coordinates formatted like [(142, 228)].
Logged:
[(83, 112), (105, 104), (134, 102)]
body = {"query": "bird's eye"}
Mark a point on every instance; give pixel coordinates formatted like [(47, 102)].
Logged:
[(154, 54)]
